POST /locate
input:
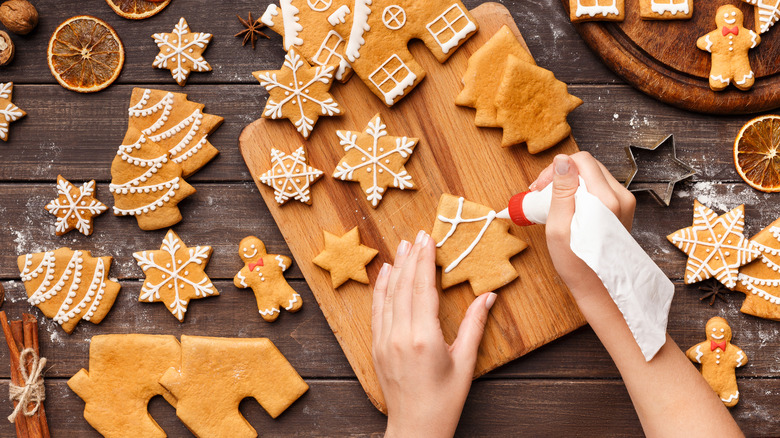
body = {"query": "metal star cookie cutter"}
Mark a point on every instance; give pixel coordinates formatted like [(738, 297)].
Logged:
[(667, 165)]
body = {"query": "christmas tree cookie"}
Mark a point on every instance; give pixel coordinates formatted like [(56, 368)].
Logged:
[(375, 160), (264, 273), (719, 359), (766, 13), (8, 111), (175, 274), (146, 183), (345, 258), (290, 176), (298, 92), (181, 51), (124, 373), (176, 124), (472, 246), (215, 374), (75, 207), (68, 285), (715, 245), (759, 280)]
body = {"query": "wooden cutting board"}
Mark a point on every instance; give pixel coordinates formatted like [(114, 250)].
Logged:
[(453, 156), (660, 58)]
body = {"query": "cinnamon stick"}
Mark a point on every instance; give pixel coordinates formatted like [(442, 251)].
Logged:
[(31, 341), (22, 430)]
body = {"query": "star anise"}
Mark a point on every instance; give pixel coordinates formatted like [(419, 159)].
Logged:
[(252, 31), (712, 290)]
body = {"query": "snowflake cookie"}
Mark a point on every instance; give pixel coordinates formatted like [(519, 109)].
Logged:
[(298, 92), (181, 51), (75, 207), (715, 245), (472, 246), (68, 285), (375, 160), (124, 373), (290, 176), (146, 183), (759, 280), (264, 273), (176, 124), (8, 111), (719, 359), (215, 374), (175, 274), (345, 258)]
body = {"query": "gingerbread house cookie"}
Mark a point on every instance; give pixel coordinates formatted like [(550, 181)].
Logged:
[(597, 10), (666, 9)]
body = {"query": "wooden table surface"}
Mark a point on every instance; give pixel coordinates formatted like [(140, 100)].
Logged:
[(569, 387)]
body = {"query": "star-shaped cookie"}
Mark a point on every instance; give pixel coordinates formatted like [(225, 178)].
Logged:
[(657, 174), (290, 176), (345, 257), (716, 245), (75, 207), (175, 274), (299, 92), (8, 111), (375, 160), (181, 51)]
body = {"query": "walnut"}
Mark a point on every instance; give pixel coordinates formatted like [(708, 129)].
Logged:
[(6, 49), (19, 16)]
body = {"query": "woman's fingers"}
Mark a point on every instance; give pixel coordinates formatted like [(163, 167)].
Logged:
[(387, 308), (596, 182), (402, 301), (626, 198), (380, 292), (425, 297)]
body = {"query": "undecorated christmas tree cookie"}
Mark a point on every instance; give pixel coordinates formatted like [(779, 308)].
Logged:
[(345, 258), (472, 246), (215, 374), (124, 373)]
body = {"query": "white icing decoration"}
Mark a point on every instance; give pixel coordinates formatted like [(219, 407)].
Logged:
[(443, 24), (339, 16), (729, 20), (720, 78), (280, 262), (174, 273), (718, 337), (180, 49), (292, 302), (597, 9), (359, 27), (709, 43), (290, 176), (375, 159), (716, 263), (768, 13), (731, 397), (699, 354), (242, 279), (268, 16), (754, 41), (269, 312), (671, 7), (457, 220), (394, 17), (319, 5), (291, 26), (73, 207), (740, 357), (10, 113), (388, 70), (298, 92), (330, 48), (745, 78)]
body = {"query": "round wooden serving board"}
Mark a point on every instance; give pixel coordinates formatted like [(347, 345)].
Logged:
[(660, 58)]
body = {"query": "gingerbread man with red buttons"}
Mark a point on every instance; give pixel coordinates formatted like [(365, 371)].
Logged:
[(719, 359), (264, 273), (729, 45)]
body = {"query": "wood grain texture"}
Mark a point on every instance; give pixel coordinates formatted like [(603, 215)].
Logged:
[(661, 59), (453, 156)]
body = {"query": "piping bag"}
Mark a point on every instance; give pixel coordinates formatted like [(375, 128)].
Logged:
[(640, 289)]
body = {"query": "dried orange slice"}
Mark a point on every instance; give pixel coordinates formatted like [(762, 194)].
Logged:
[(137, 9), (757, 153), (85, 54)]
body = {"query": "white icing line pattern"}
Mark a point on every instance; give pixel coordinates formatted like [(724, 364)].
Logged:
[(242, 279), (740, 358), (359, 27), (10, 113), (74, 206), (340, 16), (292, 302), (670, 7), (699, 354), (268, 16), (291, 26), (179, 50), (330, 47), (457, 220), (768, 13), (395, 72), (732, 397), (280, 262), (447, 24), (597, 9), (745, 78), (290, 176)]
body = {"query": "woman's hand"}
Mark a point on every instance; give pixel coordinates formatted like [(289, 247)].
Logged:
[(564, 175), (424, 380)]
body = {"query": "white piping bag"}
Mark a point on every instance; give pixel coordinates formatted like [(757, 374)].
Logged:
[(640, 289)]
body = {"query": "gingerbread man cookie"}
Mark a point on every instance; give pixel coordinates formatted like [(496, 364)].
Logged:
[(719, 359), (264, 273), (729, 45)]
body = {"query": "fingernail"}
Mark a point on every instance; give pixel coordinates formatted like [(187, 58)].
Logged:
[(425, 239), (384, 271), (491, 299), (403, 248), (561, 166), (532, 187), (420, 237)]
